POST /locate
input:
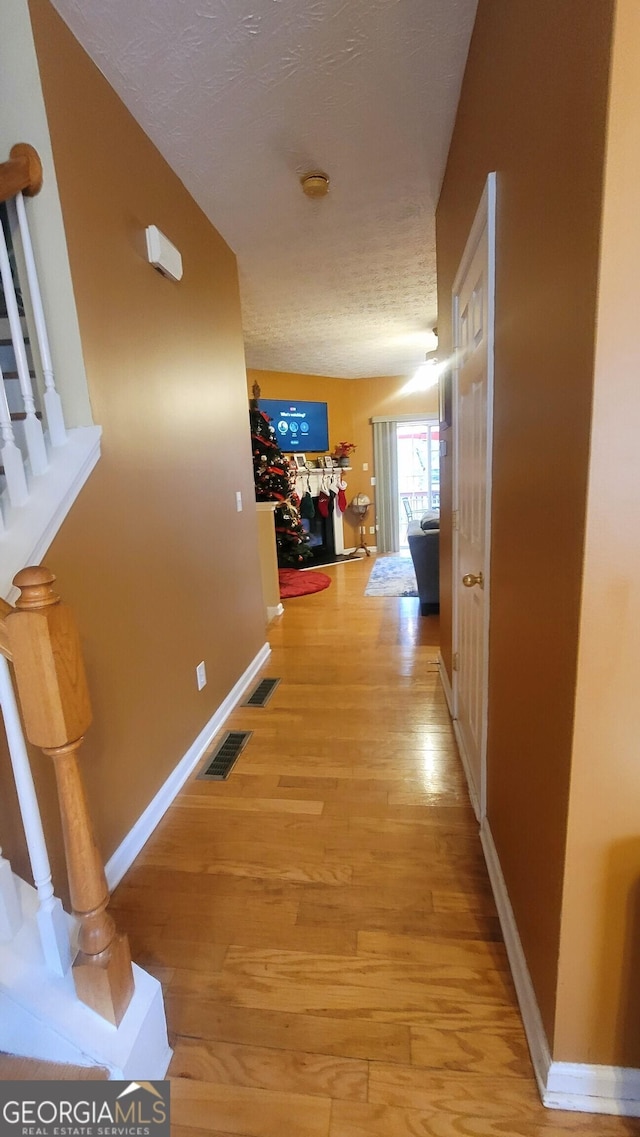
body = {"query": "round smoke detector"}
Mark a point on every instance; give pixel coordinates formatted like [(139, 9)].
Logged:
[(315, 185)]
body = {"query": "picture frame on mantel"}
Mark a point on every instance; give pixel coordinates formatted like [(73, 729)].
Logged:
[(300, 461), (445, 398)]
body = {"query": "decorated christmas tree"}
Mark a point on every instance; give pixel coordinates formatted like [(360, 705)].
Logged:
[(275, 481)]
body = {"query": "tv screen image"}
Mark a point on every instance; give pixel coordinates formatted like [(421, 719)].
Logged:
[(299, 426)]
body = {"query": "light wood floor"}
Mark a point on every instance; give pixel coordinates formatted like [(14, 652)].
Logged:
[(322, 921)]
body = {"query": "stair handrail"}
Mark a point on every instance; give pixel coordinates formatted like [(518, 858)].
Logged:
[(56, 710), (21, 172)]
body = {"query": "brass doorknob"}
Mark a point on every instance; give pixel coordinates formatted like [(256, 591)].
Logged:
[(471, 579)]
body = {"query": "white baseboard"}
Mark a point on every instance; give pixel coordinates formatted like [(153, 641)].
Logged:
[(466, 765), (137, 837), (274, 610), (593, 1089), (562, 1085), (462, 751), (446, 684), (531, 1018)]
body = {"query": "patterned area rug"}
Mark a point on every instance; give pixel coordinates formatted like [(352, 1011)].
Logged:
[(392, 575)]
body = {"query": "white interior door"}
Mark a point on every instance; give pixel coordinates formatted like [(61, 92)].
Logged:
[(473, 303)]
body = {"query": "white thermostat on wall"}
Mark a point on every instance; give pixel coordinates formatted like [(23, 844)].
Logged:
[(162, 254)]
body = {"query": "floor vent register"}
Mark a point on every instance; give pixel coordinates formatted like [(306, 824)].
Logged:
[(261, 694), (225, 755)]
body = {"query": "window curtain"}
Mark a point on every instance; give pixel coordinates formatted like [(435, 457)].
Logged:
[(385, 453)]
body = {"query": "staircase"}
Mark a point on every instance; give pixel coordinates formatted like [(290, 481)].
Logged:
[(43, 465), (28, 1069), (68, 990)]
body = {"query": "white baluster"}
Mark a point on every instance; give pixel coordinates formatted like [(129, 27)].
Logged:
[(52, 922), (10, 454), (32, 428), (52, 404), (10, 912)]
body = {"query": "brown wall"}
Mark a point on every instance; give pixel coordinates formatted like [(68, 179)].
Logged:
[(352, 403), (599, 990), (532, 108), (161, 570)]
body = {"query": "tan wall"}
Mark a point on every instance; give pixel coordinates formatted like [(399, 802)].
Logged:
[(599, 990), (352, 403), (532, 108), (161, 570)]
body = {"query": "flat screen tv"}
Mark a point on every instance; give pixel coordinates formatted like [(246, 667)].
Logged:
[(299, 426)]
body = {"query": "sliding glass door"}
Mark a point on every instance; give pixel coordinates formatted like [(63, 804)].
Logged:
[(418, 449)]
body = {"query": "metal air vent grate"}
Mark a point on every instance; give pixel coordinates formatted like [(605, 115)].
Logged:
[(225, 757), (261, 694)]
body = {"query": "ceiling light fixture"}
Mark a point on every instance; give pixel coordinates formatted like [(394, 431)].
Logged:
[(426, 375), (315, 185)]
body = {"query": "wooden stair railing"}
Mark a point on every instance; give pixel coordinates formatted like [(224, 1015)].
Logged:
[(53, 694), (21, 173), (20, 178)]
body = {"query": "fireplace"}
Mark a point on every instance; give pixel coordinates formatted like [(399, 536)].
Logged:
[(321, 535)]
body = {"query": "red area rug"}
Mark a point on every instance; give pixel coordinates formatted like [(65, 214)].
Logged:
[(296, 583)]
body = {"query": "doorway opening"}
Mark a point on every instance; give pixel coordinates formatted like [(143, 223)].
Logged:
[(418, 473)]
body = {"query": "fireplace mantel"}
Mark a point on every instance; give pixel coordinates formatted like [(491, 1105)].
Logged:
[(314, 480)]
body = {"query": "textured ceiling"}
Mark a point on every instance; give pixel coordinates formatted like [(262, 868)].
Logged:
[(242, 97)]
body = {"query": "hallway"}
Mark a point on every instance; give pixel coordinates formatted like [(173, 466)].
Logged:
[(322, 921)]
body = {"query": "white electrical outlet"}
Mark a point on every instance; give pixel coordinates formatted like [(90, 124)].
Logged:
[(373, 481), (372, 528), (365, 465), (238, 501), (201, 675)]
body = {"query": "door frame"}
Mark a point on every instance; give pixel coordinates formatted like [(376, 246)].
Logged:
[(485, 218)]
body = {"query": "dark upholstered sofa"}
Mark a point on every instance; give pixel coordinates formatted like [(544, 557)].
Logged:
[(424, 546)]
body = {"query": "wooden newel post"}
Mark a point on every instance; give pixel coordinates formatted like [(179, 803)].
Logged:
[(54, 697)]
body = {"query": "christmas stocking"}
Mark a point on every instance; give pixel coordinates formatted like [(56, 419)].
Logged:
[(307, 509)]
